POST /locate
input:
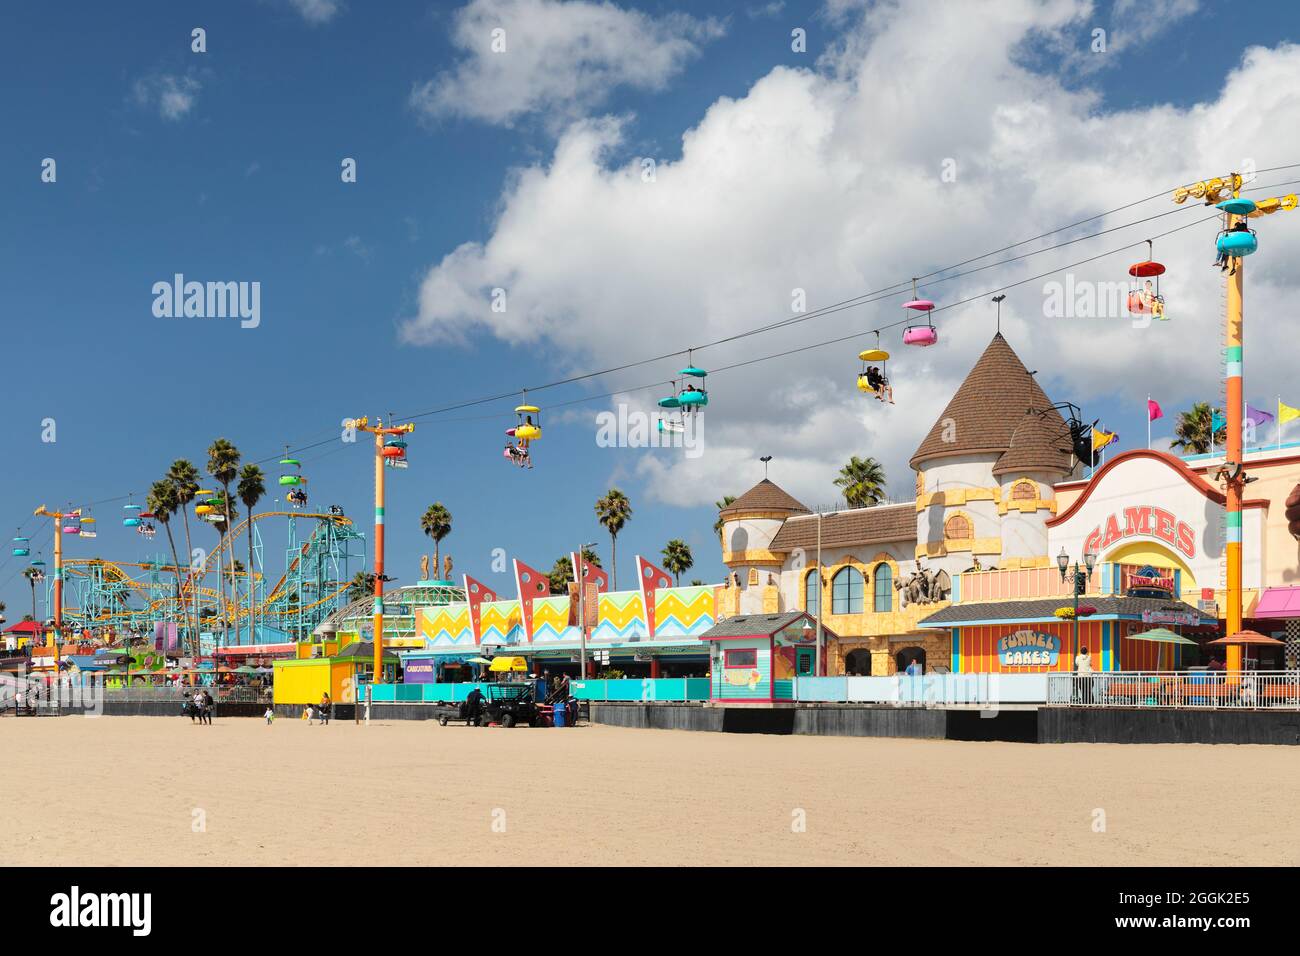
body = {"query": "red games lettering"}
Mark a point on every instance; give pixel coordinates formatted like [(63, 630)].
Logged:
[(1147, 521), (1113, 533), (1137, 521), (1165, 525)]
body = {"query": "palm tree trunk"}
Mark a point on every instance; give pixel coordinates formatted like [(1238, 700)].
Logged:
[(437, 561), (176, 566), (234, 591), (248, 574), (190, 618), (613, 558)]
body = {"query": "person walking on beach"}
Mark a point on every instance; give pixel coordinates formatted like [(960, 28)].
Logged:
[(1083, 670), (269, 715), (324, 709), (208, 705)]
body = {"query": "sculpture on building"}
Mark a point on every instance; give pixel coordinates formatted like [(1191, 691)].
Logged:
[(446, 567), (424, 567), (924, 587)]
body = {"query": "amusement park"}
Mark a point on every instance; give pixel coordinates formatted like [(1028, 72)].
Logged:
[(1177, 579)]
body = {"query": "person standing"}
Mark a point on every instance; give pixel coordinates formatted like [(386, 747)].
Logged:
[(324, 709), (1083, 675)]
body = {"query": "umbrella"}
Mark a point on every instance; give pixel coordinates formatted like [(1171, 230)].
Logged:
[(1162, 635), (478, 660), (245, 670), (516, 664), (1247, 637)]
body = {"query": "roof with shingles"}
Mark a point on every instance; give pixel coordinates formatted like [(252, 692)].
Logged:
[(846, 529), (765, 496), (754, 625), (991, 413), (1044, 609)]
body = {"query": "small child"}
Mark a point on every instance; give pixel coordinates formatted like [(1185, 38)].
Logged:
[(308, 714), (269, 715)]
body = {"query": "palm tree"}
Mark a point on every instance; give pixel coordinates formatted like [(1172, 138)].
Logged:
[(678, 559), (613, 511), (726, 502), (362, 583), (33, 575), (1193, 431), (185, 478), (862, 481), (223, 465), (163, 501), (436, 523), (251, 488)]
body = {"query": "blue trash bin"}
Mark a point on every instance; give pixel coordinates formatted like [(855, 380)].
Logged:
[(559, 714)]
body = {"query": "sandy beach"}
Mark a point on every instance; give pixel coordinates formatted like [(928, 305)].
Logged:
[(156, 791)]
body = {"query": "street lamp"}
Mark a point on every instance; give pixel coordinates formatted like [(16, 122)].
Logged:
[(1080, 582)]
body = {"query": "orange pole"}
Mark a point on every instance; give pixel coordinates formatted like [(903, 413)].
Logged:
[(379, 556), (58, 585), (1233, 342)]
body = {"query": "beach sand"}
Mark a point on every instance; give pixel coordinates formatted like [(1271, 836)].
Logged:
[(159, 791)]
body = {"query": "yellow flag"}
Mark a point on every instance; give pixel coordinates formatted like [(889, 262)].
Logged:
[(1285, 413), (1100, 439)]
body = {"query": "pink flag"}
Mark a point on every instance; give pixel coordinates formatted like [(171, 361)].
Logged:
[(1153, 410)]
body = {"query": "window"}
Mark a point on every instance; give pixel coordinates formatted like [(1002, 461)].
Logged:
[(884, 595), (1024, 491), (846, 592), (957, 528), (812, 586), (743, 657)]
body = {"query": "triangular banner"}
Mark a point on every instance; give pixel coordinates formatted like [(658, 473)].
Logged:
[(531, 585), (476, 594), (651, 579)]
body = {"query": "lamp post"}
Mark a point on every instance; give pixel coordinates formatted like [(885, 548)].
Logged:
[(582, 609), (1080, 583)]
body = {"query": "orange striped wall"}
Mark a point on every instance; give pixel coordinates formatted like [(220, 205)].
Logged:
[(975, 649)]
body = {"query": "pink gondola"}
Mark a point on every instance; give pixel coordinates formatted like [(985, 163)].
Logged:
[(921, 335)]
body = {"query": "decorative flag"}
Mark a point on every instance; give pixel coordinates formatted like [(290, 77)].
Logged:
[(1257, 417), (476, 595), (1285, 413), (1217, 421), (1153, 410), (651, 579), (1100, 439), (532, 585)]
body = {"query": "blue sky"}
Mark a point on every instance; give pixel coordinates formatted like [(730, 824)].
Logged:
[(244, 185)]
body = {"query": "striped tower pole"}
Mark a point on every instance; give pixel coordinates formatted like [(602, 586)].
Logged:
[(1233, 343), (379, 557)]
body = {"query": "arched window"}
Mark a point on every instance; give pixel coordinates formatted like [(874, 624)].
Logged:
[(884, 593), (957, 528), (1024, 491), (812, 586), (846, 592)]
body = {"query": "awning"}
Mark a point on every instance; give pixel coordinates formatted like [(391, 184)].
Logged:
[(1278, 602)]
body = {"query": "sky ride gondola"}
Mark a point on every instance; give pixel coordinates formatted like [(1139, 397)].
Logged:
[(131, 515), (672, 403), (22, 546), (693, 396), (88, 527), (874, 379), (528, 429), (72, 522), (920, 335), (290, 470), (1146, 298)]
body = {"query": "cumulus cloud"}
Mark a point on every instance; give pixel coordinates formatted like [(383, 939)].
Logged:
[(831, 181), (528, 56), (317, 11), (172, 95)]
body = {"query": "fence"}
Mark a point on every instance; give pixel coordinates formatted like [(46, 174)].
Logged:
[(1212, 690)]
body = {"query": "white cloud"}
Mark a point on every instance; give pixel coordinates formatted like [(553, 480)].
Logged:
[(317, 11), (560, 58), (172, 95), (829, 180)]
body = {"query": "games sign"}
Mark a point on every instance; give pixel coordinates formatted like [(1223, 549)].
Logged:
[(1026, 648), (1145, 521)]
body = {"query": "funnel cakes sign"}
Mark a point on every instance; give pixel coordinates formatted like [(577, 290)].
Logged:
[(1028, 648)]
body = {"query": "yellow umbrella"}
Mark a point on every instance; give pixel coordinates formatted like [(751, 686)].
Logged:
[(509, 665)]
